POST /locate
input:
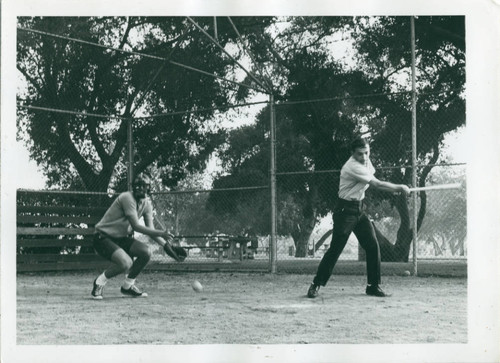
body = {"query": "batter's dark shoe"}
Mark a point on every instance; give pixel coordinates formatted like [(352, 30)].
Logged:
[(97, 291), (133, 291), (313, 291), (375, 290)]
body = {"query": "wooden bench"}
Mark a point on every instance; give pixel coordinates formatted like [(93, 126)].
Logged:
[(55, 231)]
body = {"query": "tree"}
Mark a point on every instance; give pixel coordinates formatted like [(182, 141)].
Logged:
[(299, 62), (440, 107), (446, 220), (246, 159), (314, 136), (83, 152)]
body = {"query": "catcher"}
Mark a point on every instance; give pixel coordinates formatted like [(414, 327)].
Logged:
[(114, 239)]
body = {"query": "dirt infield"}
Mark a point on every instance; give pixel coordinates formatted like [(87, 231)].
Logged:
[(239, 308)]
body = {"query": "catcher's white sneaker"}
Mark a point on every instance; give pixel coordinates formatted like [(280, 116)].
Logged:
[(97, 291)]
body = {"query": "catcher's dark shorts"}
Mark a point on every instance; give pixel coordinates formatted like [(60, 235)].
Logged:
[(105, 246)]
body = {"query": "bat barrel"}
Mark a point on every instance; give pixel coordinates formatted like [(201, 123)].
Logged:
[(436, 187)]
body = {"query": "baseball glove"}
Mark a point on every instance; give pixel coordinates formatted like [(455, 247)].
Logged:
[(181, 252)]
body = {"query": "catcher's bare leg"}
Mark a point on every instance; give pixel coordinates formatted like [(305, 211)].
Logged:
[(122, 263), (142, 256)]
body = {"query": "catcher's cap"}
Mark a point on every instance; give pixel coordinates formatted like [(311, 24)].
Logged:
[(141, 180)]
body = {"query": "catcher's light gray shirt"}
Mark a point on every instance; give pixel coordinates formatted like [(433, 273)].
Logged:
[(354, 179), (115, 221)]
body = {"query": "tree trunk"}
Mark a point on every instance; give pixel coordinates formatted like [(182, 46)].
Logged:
[(400, 250), (304, 230), (405, 234), (301, 245), (302, 234)]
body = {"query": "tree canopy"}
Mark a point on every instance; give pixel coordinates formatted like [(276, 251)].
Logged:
[(369, 97), (80, 151)]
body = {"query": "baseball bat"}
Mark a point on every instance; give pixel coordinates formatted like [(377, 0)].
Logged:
[(436, 187)]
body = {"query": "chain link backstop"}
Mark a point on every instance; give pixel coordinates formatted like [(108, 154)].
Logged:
[(234, 221)]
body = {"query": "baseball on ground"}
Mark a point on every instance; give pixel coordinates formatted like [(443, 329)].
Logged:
[(196, 286)]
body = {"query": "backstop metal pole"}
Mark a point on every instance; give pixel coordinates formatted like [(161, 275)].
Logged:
[(273, 247), (130, 154), (414, 143)]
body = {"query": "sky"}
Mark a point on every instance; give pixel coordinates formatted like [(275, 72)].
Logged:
[(29, 175)]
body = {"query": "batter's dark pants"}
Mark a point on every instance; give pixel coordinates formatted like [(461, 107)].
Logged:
[(348, 217)]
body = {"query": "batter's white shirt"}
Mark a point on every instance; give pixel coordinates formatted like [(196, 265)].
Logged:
[(115, 221), (354, 179)]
